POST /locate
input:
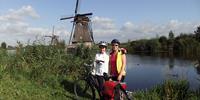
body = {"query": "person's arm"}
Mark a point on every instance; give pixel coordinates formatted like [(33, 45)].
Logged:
[(123, 67), (109, 66), (124, 51)]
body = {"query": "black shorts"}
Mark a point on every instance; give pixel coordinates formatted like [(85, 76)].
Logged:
[(114, 78)]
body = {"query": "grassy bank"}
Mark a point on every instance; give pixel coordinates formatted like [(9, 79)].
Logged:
[(40, 72), (169, 90), (47, 73)]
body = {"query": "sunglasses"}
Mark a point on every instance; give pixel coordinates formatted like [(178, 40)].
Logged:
[(115, 45), (102, 47)]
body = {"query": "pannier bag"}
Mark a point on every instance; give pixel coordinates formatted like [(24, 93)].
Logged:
[(110, 88)]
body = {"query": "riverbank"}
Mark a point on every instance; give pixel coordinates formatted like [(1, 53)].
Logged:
[(21, 88), (47, 73)]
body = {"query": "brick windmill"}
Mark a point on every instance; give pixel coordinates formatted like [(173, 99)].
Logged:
[(81, 29)]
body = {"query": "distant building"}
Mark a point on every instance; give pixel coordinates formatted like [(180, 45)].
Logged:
[(82, 32)]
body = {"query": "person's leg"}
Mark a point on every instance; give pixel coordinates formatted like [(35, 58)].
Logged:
[(100, 82), (114, 78), (123, 77)]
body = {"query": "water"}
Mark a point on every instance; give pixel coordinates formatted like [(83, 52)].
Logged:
[(11, 52), (144, 72)]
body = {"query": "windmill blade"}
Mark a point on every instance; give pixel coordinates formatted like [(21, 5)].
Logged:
[(91, 31), (56, 37), (91, 35), (66, 18), (76, 9), (53, 30), (86, 14), (70, 39), (47, 36)]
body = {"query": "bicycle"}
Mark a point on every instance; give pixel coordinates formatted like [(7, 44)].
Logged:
[(87, 85), (114, 90)]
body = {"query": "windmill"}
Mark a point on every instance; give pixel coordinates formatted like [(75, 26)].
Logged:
[(54, 38), (81, 30)]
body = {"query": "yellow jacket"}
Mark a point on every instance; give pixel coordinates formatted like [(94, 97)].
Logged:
[(119, 62)]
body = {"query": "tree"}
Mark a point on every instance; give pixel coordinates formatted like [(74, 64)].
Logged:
[(153, 45), (171, 35), (163, 42), (197, 33), (171, 41), (3, 45)]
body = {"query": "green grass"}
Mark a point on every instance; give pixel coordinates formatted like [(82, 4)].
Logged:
[(169, 90), (39, 72)]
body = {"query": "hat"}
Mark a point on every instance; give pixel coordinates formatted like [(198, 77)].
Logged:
[(115, 41), (102, 43)]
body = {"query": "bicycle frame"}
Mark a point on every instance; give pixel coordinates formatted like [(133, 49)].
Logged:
[(117, 86), (91, 82), (91, 79)]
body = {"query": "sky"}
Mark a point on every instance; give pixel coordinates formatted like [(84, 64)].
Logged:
[(30, 20)]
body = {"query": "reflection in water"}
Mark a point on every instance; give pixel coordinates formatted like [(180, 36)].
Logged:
[(144, 72), (11, 52), (171, 62), (197, 66), (170, 71), (198, 70)]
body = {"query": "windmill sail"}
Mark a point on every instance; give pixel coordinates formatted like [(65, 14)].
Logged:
[(81, 29)]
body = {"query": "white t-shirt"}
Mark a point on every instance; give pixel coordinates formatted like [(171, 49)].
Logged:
[(101, 64)]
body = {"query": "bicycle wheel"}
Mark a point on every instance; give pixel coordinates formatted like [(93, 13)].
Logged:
[(123, 95), (83, 90)]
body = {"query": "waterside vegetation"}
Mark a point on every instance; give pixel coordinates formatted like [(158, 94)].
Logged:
[(186, 45), (47, 72)]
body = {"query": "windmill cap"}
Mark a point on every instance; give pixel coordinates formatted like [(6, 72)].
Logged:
[(115, 41)]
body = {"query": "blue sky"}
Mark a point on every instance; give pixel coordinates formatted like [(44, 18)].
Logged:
[(23, 20)]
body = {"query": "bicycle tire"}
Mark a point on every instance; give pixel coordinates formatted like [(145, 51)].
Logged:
[(123, 95), (82, 89)]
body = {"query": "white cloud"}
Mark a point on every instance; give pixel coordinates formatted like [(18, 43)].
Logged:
[(19, 15), (105, 29), (149, 30), (103, 23), (14, 26), (14, 22)]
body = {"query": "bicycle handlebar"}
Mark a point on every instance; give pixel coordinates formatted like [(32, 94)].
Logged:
[(98, 61), (88, 65), (108, 77)]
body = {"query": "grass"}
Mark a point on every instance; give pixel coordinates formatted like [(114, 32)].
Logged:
[(169, 90), (39, 72)]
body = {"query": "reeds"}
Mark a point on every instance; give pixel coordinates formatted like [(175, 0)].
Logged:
[(169, 90), (38, 71)]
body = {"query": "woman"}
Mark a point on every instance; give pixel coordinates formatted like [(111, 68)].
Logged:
[(101, 64), (117, 63)]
